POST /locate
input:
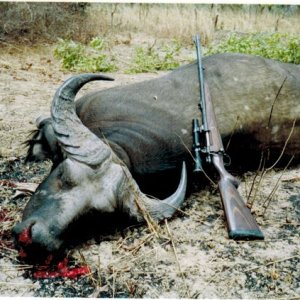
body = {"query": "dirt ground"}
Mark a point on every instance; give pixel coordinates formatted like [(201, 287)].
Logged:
[(189, 256)]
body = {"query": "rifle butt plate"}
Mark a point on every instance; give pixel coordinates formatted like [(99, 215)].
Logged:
[(245, 234)]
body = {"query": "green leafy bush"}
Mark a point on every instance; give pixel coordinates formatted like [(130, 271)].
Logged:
[(97, 43), (78, 57), (282, 47), (150, 60), (70, 53)]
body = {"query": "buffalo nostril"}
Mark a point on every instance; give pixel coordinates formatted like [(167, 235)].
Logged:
[(35, 236), (25, 237)]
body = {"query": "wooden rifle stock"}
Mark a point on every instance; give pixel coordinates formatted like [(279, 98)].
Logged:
[(240, 222)]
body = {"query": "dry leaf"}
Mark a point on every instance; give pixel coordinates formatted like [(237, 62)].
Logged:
[(24, 188)]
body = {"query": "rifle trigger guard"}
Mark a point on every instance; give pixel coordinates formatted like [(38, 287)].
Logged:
[(227, 161)]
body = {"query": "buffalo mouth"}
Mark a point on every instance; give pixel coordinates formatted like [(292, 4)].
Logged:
[(37, 255), (45, 264)]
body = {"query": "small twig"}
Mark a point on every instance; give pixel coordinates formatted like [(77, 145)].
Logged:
[(152, 225), (134, 248), (273, 104), (175, 253), (16, 283), (263, 173), (269, 198), (262, 167), (10, 45), (9, 249), (191, 154), (99, 283), (151, 47), (185, 146), (284, 147), (114, 282), (271, 263), (215, 224), (232, 133), (118, 260), (89, 274), (8, 268), (279, 224), (209, 179), (173, 245), (294, 179)]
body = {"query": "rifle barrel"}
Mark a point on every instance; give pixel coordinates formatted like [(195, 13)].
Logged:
[(202, 103)]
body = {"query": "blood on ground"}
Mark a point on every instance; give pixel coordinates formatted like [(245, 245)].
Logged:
[(62, 270)]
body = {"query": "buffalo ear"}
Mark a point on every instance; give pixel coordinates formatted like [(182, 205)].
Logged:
[(41, 120), (37, 147), (43, 143)]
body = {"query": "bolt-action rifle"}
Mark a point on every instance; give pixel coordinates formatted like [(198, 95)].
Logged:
[(208, 148)]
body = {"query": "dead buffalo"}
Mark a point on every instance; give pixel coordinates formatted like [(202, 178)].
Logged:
[(112, 147)]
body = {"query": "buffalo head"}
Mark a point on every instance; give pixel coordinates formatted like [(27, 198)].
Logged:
[(89, 177)]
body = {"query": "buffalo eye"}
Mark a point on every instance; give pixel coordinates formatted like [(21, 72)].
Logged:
[(72, 173), (67, 178)]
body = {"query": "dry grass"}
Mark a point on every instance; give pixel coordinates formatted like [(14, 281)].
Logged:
[(36, 21), (181, 21)]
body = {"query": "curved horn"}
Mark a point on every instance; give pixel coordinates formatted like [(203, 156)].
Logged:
[(164, 209), (76, 140), (157, 209)]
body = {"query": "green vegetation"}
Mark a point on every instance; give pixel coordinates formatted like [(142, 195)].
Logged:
[(77, 57), (282, 47), (150, 60), (98, 43)]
